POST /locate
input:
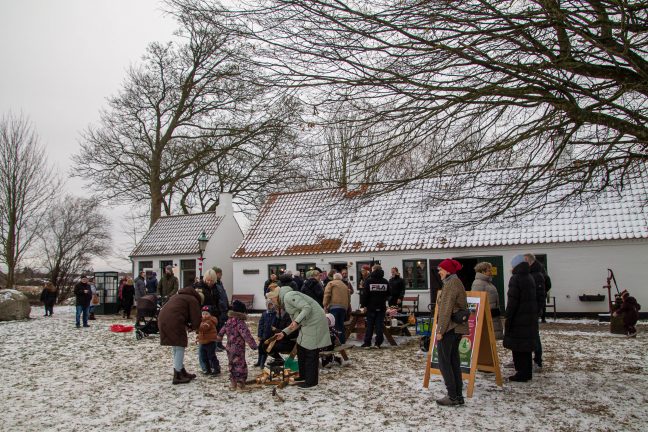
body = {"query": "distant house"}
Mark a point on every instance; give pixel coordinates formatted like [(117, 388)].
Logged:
[(334, 228), (173, 240)]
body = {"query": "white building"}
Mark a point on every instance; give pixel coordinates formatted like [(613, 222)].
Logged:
[(332, 228), (173, 240)]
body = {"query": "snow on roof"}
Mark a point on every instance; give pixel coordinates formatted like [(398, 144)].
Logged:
[(177, 235), (332, 221)]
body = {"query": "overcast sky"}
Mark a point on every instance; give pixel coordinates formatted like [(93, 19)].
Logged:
[(62, 58)]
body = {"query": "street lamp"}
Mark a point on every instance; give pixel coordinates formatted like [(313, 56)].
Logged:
[(202, 245)]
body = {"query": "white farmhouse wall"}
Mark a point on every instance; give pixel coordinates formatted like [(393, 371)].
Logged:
[(220, 249), (575, 269)]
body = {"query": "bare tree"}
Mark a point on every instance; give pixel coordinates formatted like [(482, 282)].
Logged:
[(188, 104), (558, 87), (27, 185), (76, 233)]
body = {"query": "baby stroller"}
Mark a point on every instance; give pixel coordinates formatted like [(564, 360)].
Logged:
[(148, 308)]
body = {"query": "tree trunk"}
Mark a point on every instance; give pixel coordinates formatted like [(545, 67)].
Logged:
[(156, 204)]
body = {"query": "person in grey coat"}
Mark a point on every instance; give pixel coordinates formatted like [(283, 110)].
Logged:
[(483, 282), (309, 317), (140, 286)]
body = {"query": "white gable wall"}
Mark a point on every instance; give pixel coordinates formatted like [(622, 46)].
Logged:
[(575, 269), (220, 247)]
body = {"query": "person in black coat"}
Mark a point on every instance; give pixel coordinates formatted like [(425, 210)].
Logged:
[(48, 297), (312, 287), (83, 296), (128, 297), (537, 271), (396, 288), (521, 326), (373, 300)]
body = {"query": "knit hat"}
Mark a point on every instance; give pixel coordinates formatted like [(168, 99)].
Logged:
[(517, 259), (450, 265), (366, 267), (331, 319), (239, 306), (624, 293), (205, 308)]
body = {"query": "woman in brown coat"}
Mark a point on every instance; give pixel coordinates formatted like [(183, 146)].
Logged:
[(449, 333), (182, 311)]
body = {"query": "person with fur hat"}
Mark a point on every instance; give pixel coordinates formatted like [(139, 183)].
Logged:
[(521, 325), (182, 311), (629, 309), (307, 317), (206, 337), (238, 334), (451, 299)]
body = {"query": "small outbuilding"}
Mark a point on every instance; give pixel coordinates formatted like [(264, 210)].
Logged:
[(177, 241), (340, 229)]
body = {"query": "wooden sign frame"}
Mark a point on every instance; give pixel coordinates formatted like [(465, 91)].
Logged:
[(484, 350)]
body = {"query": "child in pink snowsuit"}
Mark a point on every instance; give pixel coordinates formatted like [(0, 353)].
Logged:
[(238, 334)]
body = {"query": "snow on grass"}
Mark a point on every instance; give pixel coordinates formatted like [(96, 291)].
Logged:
[(58, 377)]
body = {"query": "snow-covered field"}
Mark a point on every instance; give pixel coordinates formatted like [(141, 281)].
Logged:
[(57, 377)]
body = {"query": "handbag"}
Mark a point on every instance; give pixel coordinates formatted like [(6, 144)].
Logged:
[(95, 299), (461, 316)]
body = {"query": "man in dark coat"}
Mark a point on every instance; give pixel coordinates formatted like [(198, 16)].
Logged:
[(312, 287), (168, 284), (271, 280), (223, 304), (182, 311), (373, 299), (83, 296), (152, 284), (521, 326), (396, 288), (538, 274)]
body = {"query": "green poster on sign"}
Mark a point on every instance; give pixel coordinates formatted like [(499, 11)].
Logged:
[(467, 341)]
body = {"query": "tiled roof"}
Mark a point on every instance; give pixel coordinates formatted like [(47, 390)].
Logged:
[(330, 221), (177, 235)]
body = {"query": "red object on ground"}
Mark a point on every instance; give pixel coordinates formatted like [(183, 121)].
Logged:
[(119, 328)]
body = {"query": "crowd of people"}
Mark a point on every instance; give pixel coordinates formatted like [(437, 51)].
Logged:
[(307, 315)]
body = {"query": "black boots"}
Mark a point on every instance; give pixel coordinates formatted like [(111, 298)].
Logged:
[(179, 378), (187, 374)]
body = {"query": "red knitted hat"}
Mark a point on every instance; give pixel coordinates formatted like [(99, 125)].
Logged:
[(450, 265)]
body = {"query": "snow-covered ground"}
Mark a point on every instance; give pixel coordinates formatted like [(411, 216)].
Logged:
[(57, 377)]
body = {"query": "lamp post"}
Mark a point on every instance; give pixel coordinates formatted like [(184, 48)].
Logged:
[(202, 245)]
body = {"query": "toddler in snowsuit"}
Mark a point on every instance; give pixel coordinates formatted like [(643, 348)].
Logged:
[(630, 311), (335, 340), (206, 337), (268, 320), (238, 334)]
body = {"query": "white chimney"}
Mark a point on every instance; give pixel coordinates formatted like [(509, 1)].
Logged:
[(224, 207)]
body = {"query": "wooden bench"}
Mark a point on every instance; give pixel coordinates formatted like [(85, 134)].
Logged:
[(342, 349), (246, 299), (411, 301)]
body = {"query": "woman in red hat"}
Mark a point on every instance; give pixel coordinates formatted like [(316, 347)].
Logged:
[(448, 334)]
